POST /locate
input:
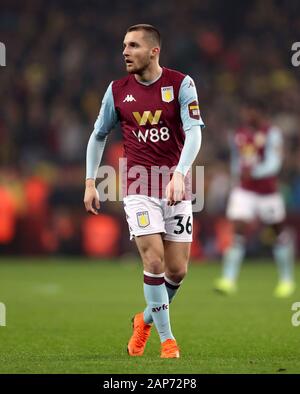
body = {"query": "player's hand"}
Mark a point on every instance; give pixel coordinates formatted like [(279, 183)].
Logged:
[(91, 197), (175, 189)]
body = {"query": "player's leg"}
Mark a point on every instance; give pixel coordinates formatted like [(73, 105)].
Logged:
[(272, 212), (146, 223), (283, 251), (241, 211), (232, 259), (144, 217), (177, 256), (151, 249), (176, 263), (177, 241)]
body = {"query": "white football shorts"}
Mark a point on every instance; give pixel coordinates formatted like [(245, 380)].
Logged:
[(246, 206), (150, 215)]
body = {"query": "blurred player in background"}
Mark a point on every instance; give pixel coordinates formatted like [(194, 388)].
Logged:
[(257, 155), (161, 126)]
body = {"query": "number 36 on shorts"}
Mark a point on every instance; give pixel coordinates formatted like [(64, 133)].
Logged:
[(149, 215)]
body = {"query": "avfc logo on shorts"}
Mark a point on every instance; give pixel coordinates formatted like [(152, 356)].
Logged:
[(194, 111), (143, 219)]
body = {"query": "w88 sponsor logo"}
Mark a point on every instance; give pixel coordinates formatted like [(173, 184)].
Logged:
[(153, 134)]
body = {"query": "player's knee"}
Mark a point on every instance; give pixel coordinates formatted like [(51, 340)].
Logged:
[(279, 229), (284, 237), (239, 228), (176, 275), (153, 263), (154, 266)]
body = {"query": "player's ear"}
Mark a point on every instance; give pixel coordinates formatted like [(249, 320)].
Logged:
[(155, 51)]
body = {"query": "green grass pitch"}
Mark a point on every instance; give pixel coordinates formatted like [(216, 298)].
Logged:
[(74, 316)]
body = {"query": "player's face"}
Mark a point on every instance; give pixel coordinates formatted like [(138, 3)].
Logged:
[(138, 52), (249, 115)]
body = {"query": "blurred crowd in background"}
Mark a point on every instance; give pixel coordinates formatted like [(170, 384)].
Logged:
[(61, 56)]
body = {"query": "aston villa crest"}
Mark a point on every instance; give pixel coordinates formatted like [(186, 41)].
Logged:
[(167, 94), (143, 219)]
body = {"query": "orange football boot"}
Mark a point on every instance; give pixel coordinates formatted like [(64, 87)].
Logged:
[(141, 333), (169, 349)]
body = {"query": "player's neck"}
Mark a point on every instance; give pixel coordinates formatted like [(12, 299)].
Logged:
[(258, 124), (151, 74)]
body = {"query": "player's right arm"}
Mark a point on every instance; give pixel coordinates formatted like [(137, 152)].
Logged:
[(106, 120), (273, 157)]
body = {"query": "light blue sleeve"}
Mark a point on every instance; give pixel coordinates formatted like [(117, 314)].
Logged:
[(107, 117), (191, 147), (272, 162), (187, 96), (106, 120), (94, 153)]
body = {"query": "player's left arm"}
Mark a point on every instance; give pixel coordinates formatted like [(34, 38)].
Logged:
[(192, 123), (273, 157)]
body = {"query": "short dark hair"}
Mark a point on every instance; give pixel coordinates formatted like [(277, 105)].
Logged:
[(149, 29)]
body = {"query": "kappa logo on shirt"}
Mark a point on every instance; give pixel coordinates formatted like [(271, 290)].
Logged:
[(129, 98), (191, 84)]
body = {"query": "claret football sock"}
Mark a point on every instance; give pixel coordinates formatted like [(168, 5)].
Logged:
[(172, 288), (157, 299)]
